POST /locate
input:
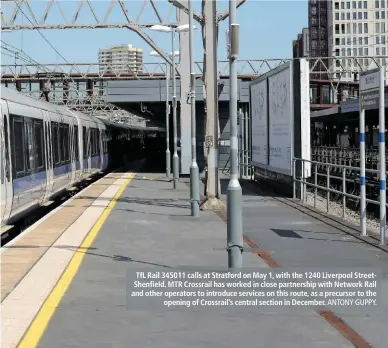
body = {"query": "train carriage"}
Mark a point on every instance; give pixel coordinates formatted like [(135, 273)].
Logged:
[(45, 149)]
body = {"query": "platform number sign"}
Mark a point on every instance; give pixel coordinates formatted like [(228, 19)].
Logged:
[(369, 89)]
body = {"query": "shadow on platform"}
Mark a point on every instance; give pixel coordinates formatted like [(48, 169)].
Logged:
[(250, 188)]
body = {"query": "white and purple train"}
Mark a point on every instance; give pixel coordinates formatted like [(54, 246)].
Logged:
[(44, 149)]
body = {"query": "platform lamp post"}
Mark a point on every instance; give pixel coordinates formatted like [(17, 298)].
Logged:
[(194, 170), (168, 154), (175, 158), (234, 192)]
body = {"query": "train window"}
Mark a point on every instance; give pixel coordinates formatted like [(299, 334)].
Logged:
[(61, 142), (6, 152), (49, 147), (85, 142), (55, 135), (38, 135), (65, 141), (93, 143), (98, 136), (103, 141), (67, 134), (28, 136), (99, 141), (76, 144), (18, 145), (97, 144), (53, 142), (88, 143)]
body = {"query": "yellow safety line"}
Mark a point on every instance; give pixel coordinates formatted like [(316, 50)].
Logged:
[(40, 322)]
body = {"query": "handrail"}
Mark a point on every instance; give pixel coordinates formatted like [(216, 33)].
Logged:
[(344, 168)]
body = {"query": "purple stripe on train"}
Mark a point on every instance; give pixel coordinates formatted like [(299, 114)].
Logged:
[(96, 161), (62, 170), (29, 182), (37, 179)]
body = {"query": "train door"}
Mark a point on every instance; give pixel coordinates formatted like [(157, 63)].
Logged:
[(48, 154), (6, 173), (3, 188), (32, 192)]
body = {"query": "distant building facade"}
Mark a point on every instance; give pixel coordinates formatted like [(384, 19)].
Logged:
[(344, 29), (318, 36), (301, 46), (120, 59), (357, 29)]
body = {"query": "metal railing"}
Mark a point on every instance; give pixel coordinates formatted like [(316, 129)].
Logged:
[(330, 168)]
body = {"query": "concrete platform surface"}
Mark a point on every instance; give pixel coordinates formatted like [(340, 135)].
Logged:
[(150, 228)]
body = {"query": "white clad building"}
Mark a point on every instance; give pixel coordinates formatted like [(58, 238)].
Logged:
[(357, 29), (120, 59)]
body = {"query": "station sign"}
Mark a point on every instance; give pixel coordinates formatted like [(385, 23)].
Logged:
[(369, 89)]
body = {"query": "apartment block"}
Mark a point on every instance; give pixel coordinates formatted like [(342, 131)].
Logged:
[(357, 29), (120, 59)]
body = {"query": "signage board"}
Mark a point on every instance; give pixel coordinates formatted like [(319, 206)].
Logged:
[(369, 89), (370, 99), (280, 121), (259, 112), (275, 98)]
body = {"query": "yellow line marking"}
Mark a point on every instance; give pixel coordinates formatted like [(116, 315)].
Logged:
[(36, 330)]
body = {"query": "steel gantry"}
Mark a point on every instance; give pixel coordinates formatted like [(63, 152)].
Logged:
[(88, 14), (100, 18), (131, 19)]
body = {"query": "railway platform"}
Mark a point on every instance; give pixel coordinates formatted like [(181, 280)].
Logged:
[(63, 281)]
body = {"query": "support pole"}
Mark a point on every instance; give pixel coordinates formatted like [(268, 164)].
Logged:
[(175, 158), (234, 192), (246, 147), (194, 170), (362, 170), (383, 209), (240, 142), (184, 121), (168, 155), (210, 43)]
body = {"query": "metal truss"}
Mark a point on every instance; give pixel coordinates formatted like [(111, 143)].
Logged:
[(98, 14), (82, 86), (334, 67), (88, 101), (88, 14)]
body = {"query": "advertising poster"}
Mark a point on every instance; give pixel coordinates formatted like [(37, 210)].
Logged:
[(259, 122)]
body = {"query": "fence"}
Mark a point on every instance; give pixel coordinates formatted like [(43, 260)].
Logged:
[(331, 171)]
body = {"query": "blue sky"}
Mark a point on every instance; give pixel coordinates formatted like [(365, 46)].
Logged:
[(267, 29)]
